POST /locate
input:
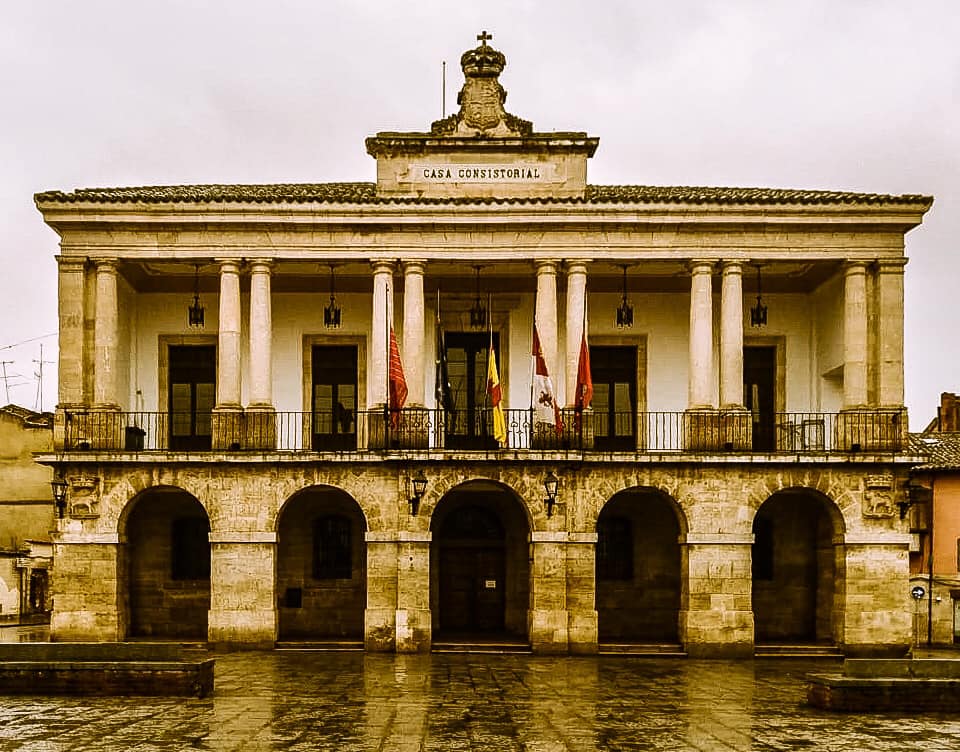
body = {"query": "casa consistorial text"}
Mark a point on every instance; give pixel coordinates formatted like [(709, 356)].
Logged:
[(478, 173)]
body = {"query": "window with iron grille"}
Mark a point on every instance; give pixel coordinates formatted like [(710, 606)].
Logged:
[(190, 549), (614, 549), (332, 558)]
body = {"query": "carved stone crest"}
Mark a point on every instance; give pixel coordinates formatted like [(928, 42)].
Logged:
[(84, 497), (878, 497)]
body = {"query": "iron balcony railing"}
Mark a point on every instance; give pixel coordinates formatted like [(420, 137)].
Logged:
[(431, 429)]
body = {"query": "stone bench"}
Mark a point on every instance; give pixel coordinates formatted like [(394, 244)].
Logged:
[(103, 668), (901, 685)]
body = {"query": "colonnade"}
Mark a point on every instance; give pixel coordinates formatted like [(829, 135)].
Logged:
[(884, 278)]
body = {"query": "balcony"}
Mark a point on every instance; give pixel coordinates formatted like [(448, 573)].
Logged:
[(431, 430)]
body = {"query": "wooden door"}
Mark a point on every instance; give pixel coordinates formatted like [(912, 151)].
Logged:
[(759, 394)]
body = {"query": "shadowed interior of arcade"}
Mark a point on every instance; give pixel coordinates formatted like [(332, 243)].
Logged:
[(321, 566), (797, 568), (479, 565), (165, 566), (638, 569)]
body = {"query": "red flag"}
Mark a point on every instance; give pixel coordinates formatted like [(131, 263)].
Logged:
[(545, 407), (584, 391), (398, 384)]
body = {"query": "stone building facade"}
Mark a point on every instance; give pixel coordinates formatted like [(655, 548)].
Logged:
[(251, 480)]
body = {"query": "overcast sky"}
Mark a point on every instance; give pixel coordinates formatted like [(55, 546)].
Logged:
[(821, 94)]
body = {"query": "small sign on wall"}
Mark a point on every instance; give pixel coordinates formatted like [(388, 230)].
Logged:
[(490, 584)]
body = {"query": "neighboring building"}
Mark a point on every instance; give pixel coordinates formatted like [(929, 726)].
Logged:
[(245, 481), (935, 521), (26, 515)]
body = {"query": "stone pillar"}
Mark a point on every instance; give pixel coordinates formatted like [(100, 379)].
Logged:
[(700, 383), (546, 320), (548, 620), (855, 346), (377, 357), (413, 618), (106, 335), (890, 332), (85, 590), (582, 621), (380, 615), (716, 616), (877, 612), (576, 310), (731, 336), (413, 330), (260, 421), (243, 603), (228, 413), (71, 366)]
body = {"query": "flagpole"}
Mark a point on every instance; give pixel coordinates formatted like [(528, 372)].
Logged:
[(386, 405)]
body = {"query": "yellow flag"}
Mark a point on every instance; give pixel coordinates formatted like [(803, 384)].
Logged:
[(493, 389)]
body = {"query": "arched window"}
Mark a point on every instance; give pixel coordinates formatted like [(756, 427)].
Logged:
[(332, 554)]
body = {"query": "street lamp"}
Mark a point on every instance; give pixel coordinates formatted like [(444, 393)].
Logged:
[(59, 487), (419, 489), (550, 484)]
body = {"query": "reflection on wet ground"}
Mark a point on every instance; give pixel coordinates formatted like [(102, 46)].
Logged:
[(356, 701)]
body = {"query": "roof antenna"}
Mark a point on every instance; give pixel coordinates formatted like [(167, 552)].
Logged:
[(443, 93)]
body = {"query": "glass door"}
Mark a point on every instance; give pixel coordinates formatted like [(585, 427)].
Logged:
[(334, 398), (614, 371), (470, 423), (192, 396)]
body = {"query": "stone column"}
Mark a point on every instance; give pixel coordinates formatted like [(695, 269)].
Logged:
[(106, 335), (546, 320), (380, 615), (700, 382), (731, 336), (413, 330), (582, 620), (377, 357), (855, 346), (413, 618), (260, 414), (576, 310), (243, 603), (716, 616), (228, 413), (890, 332), (548, 620), (71, 295), (85, 591)]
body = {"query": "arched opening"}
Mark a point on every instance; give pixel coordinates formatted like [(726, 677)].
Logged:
[(167, 563), (321, 566), (638, 566), (479, 564), (796, 568)]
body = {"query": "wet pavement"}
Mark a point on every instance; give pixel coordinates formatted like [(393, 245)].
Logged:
[(356, 701)]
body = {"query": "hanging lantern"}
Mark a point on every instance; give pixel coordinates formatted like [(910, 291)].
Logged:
[(625, 310), (478, 313), (758, 313), (331, 313), (195, 311)]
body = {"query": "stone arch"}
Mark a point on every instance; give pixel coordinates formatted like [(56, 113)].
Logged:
[(521, 486), (823, 486), (163, 564), (321, 565), (599, 487), (479, 561), (798, 565), (377, 495), (639, 567)]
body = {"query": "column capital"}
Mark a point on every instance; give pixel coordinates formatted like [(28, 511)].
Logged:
[(260, 266), (891, 265), (229, 265), (383, 266), (700, 266), (546, 266), (854, 266), (577, 266), (414, 265), (106, 263), (732, 266), (71, 263)]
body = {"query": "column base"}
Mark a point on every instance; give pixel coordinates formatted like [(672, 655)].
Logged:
[(870, 430), (582, 632), (379, 630), (260, 427), (548, 631), (226, 426), (701, 430), (414, 630)]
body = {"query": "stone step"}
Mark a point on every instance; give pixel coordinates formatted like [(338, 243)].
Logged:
[(799, 650), (647, 649), (491, 647), (321, 646)]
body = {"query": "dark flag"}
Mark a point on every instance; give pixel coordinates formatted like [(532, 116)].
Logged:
[(444, 390)]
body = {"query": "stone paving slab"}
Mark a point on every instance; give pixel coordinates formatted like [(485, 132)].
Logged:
[(360, 702)]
